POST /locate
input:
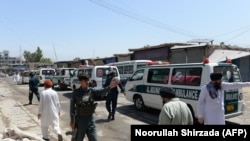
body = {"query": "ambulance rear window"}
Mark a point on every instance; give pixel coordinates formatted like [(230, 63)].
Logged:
[(186, 76), (26, 74), (48, 72), (230, 73)]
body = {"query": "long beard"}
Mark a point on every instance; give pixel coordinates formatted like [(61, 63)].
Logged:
[(163, 102), (217, 86)]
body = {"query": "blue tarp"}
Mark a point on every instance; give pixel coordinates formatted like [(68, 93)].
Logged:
[(20, 67), (110, 60)]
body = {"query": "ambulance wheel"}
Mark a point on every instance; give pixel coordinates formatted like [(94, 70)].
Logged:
[(74, 87), (139, 104), (60, 86)]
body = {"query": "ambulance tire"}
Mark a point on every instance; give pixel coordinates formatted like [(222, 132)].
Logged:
[(139, 104), (195, 120), (74, 87), (60, 86)]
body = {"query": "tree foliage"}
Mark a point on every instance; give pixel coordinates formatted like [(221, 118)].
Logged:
[(46, 60), (33, 57), (27, 56)]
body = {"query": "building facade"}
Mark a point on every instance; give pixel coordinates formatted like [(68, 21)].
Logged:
[(6, 60)]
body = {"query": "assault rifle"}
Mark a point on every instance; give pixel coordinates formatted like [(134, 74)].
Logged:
[(74, 131)]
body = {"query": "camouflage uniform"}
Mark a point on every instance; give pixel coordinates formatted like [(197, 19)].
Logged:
[(82, 108)]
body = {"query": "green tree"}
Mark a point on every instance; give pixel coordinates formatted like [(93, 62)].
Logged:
[(27, 56), (46, 60), (38, 54), (33, 57)]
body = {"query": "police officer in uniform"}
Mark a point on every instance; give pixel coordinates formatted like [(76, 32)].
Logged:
[(33, 88), (112, 96), (82, 108)]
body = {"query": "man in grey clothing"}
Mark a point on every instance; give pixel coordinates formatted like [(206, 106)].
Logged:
[(174, 111)]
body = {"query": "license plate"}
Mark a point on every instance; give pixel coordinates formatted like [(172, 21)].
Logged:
[(230, 107)]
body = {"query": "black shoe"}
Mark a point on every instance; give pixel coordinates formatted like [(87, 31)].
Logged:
[(113, 117), (45, 139), (60, 138), (30, 103), (109, 117)]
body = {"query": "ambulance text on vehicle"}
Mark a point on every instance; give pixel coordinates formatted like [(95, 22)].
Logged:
[(143, 86)]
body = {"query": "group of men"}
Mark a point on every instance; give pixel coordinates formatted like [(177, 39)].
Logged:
[(210, 104), (82, 105), (48, 106)]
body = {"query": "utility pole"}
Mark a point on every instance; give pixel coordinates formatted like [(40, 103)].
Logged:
[(20, 57), (55, 52)]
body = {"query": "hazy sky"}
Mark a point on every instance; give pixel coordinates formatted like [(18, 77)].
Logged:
[(68, 29)]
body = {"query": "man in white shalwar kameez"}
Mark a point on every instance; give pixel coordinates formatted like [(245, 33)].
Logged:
[(49, 111), (211, 100), (15, 77)]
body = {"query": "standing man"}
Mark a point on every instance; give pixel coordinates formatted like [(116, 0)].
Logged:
[(33, 88), (211, 100), (18, 78), (174, 111), (49, 111), (112, 95), (15, 77), (82, 108)]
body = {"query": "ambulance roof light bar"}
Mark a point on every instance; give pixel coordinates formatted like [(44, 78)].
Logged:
[(157, 63), (206, 61), (229, 61)]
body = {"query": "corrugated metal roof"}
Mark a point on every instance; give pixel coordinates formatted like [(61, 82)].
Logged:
[(157, 46), (188, 46), (221, 55), (125, 54), (201, 41)]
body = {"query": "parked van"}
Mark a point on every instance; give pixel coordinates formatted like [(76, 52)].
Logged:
[(143, 86), (96, 75), (26, 76), (126, 68), (62, 77), (44, 73)]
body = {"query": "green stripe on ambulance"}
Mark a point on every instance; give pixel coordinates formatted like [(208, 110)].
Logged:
[(191, 94)]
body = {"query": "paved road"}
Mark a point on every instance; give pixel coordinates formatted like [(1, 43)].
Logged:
[(245, 118), (118, 130)]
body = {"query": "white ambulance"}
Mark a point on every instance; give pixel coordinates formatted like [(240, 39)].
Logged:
[(96, 75), (44, 73), (142, 88), (126, 68)]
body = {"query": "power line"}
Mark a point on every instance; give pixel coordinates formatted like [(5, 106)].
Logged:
[(241, 33), (13, 32), (159, 24), (235, 30), (142, 18)]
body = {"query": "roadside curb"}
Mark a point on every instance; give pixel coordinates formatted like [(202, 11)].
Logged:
[(36, 120)]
